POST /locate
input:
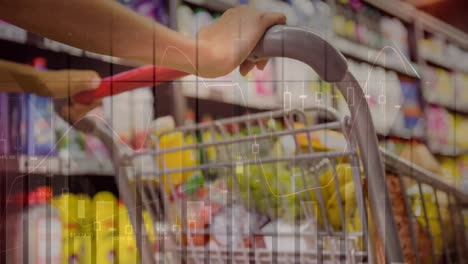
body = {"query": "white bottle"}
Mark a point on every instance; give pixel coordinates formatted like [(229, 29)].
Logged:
[(35, 233), (184, 20)]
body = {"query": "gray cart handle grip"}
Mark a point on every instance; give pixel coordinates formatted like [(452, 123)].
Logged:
[(302, 45), (305, 46)]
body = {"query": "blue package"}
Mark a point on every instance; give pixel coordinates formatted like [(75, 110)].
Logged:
[(4, 144), (15, 111), (38, 120), (155, 9), (412, 109), (31, 125)]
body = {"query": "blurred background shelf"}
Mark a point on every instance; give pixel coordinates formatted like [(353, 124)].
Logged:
[(16, 35), (450, 151), (45, 165), (396, 61), (214, 5)]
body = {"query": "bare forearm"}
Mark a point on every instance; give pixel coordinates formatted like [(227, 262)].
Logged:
[(19, 78), (105, 27)]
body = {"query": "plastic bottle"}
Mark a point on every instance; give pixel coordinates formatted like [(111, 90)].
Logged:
[(142, 112), (127, 251), (86, 220), (201, 18), (105, 208), (4, 144), (14, 245), (175, 159), (361, 28), (127, 248), (184, 20), (339, 21), (41, 241), (67, 205)]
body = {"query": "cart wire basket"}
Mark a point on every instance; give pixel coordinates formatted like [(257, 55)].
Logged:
[(277, 187)]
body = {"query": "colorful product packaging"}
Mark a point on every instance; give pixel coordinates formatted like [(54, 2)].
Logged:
[(105, 215), (67, 205), (3, 124), (16, 127), (412, 110), (37, 119)]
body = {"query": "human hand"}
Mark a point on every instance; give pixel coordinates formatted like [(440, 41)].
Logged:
[(227, 43), (66, 83), (73, 112)]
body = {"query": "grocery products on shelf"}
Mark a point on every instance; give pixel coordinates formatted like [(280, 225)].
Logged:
[(73, 248), (70, 228), (364, 24), (404, 222), (31, 131), (395, 104), (435, 49), (155, 9), (445, 88), (446, 131), (412, 109), (439, 87), (451, 169), (4, 138), (36, 121), (34, 228), (132, 118), (12, 33)]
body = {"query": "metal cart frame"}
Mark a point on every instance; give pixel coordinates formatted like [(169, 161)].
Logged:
[(331, 66)]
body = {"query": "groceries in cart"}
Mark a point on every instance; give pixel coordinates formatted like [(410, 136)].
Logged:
[(246, 185)]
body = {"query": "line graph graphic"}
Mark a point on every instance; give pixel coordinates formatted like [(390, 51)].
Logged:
[(205, 85), (255, 146)]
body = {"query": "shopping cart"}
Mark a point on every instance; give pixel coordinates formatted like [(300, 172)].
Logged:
[(384, 205)]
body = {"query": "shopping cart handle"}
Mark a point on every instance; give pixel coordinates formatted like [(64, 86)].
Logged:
[(331, 66), (129, 80), (303, 45)]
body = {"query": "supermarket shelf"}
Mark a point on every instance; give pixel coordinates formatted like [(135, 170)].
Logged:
[(397, 8), (44, 43), (406, 134), (458, 108), (13, 33), (215, 5), (17, 35), (435, 25), (450, 151), (439, 61), (372, 56), (214, 95), (58, 166)]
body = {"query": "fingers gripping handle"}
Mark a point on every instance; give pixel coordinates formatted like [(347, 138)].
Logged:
[(303, 45), (331, 66)]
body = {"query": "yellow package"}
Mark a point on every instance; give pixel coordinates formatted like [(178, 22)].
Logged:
[(71, 239), (86, 219), (105, 208), (461, 125), (175, 160), (450, 171), (127, 247), (322, 139)]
